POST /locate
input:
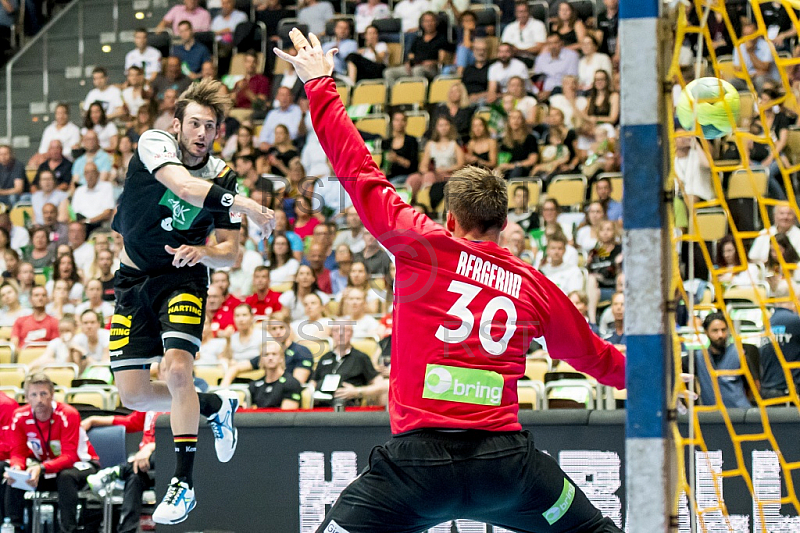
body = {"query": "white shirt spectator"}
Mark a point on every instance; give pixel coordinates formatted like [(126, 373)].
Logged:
[(763, 53), (7, 318), (497, 72), (366, 326), (568, 278), (20, 238), (584, 239), (561, 103), (84, 256), (380, 48), (315, 16), (106, 309), (110, 97), (409, 12), (132, 101), (242, 278), (67, 309), (532, 34), (230, 22), (759, 251), (150, 59), (329, 190), (75, 293), (525, 105), (40, 198), (211, 350), (69, 135), (442, 5), (91, 203), (244, 351), (284, 273), (313, 156), (356, 244), (366, 13), (289, 301), (59, 349), (311, 330), (588, 67), (290, 118), (104, 134), (81, 341)]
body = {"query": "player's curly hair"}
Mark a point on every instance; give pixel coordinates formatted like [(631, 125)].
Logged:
[(207, 94), (478, 199)]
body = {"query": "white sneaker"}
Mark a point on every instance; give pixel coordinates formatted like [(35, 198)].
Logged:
[(99, 482), (225, 434), (177, 503)]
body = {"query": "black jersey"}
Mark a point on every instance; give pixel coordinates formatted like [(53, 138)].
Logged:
[(272, 394), (150, 216)]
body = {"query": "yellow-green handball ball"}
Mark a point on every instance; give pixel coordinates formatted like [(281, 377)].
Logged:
[(710, 96)]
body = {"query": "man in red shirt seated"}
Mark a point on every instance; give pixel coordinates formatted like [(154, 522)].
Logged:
[(224, 315), (7, 407), (48, 442), (263, 301), (36, 327), (253, 88)]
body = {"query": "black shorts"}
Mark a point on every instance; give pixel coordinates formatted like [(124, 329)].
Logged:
[(156, 313), (424, 478)]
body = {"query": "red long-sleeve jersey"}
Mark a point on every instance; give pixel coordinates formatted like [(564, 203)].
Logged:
[(465, 312), (140, 421), (57, 443), (7, 407)]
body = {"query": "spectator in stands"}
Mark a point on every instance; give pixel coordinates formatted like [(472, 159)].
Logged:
[(107, 132), (241, 143), (104, 273), (12, 309), (521, 212), (315, 15), (410, 12), (613, 209), (467, 30), (519, 151), (359, 278), (758, 60), (253, 89), (569, 103), (64, 269), (569, 26), (616, 336), (425, 56), (172, 78), (7, 21), (100, 158), (723, 356), (522, 101), (191, 53), (25, 282), (190, 10), (475, 77), (246, 342), (368, 11), (375, 258), (316, 324), (282, 152), (263, 301), (62, 130), (95, 302), (287, 113), (581, 302), (693, 170), (166, 111), (353, 237), (241, 273), (221, 279), (343, 41), (37, 326), (223, 26), (452, 8), (554, 63), (785, 326), (457, 110), (145, 57), (603, 265), (602, 101), (282, 263), (41, 254), (505, 68), (277, 389), (591, 62), (109, 96), (221, 320), (442, 156), (288, 78), (20, 237), (143, 121), (134, 95), (93, 203), (526, 33), (82, 250), (785, 224), (357, 379), (567, 277), (305, 282), (57, 350), (47, 194), (316, 260), (12, 176), (554, 158), (306, 218), (339, 276), (587, 232), (354, 309), (607, 27), (90, 346), (11, 260), (61, 464), (481, 149), (401, 156)]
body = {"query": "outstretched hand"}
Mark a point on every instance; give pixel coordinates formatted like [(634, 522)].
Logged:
[(310, 62)]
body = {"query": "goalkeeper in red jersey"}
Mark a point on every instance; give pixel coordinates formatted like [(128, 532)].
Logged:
[(465, 313)]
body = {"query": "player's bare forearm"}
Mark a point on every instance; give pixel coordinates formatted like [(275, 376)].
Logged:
[(188, 188), (220, 255)]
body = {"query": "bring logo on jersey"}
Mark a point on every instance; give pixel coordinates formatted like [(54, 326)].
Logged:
[(183, 213)]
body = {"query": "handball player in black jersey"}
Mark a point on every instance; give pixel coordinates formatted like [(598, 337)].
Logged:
[(179, 215)]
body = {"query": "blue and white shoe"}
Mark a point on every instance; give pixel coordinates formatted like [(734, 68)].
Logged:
[(177, 503), (225, 434)]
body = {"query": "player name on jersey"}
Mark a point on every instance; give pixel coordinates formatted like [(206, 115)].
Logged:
[(488, 273)]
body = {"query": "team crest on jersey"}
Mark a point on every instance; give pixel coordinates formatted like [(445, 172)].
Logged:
[(166, 224), (183, 213)]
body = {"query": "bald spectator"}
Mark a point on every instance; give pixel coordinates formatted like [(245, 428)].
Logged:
[(315, 15), (12, 176), (93, 203), (555, 62), (166, 111), (57, 230), (191, 53), (143, 56), (785, 224), (48, 193), (61, 129), (190, 10), (354, 236), (109, 96), (93, 153), (55, 163), (171, 78), (526, 33), (287, 113)]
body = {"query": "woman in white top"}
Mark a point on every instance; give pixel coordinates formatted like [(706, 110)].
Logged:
[(693, 170), (569, 103), (316, 325), (12, 310), (245, 344), (107, 133), (66, 269), (522, 102), (282, 264), (370, 61), (441, 158), (591, 62), (305, 282), (586, 236), (57, 350), (90, 346), (368, 11)]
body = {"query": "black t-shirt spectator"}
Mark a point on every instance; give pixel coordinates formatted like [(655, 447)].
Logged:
[(775, 15), (11, 173), (272, 394), (475, 79), (354, 368), (521, 151), (410, 151), (604, 264), (63, 172), (786, 326), (609, 26), (782, 122), (429, 51), (462, 121)]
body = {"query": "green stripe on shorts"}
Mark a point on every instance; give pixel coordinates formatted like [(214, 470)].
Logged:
[(563, 504)]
